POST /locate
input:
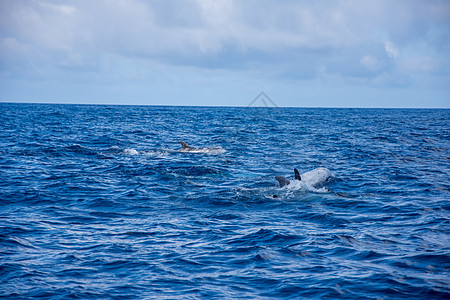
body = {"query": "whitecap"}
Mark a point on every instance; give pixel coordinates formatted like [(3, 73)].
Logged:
[(216, 151), (131, 151), (302, 186)]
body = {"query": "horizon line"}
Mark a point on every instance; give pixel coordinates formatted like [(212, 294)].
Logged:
[(231, 106)]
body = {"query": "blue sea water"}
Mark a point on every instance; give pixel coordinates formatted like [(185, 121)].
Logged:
[(96, 203)]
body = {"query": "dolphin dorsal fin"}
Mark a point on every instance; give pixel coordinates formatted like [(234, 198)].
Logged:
[(297, 175), (282, 180), (184, 145)]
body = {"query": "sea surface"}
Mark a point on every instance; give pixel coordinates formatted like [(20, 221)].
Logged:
[(97, 203)]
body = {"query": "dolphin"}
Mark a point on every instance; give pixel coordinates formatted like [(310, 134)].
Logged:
[(186, 148), (314, 178)]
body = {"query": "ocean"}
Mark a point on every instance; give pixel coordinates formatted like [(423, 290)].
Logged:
[(96, 202)]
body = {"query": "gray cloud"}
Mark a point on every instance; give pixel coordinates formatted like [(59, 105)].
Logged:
[(367, 41)]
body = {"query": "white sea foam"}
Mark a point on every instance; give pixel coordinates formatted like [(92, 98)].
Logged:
[(157, 153), (210, 151), (131, 151), (216, 151), (297, 185)]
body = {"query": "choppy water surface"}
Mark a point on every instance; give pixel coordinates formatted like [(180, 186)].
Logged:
[(96, 202)]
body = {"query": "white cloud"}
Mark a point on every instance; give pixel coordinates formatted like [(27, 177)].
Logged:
[(391, 50), (421, 64), (354, 41), (370, 63), (58, 8), (198, 27)]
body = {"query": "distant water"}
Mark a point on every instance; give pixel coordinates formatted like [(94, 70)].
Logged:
[(96, 203)]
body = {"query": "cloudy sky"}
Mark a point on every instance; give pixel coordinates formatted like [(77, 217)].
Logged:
[(326, 53)]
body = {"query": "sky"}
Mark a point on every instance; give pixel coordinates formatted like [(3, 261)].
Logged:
[(327, 53)]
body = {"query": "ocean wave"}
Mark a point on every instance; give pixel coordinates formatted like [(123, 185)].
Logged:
[(95, 207)]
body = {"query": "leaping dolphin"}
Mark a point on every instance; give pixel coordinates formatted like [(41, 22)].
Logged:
[(314, 178), (186, 148)]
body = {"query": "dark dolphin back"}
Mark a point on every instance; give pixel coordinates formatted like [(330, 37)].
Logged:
[(282, 180)]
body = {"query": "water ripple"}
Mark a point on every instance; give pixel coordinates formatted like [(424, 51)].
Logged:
[(97, 203)]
